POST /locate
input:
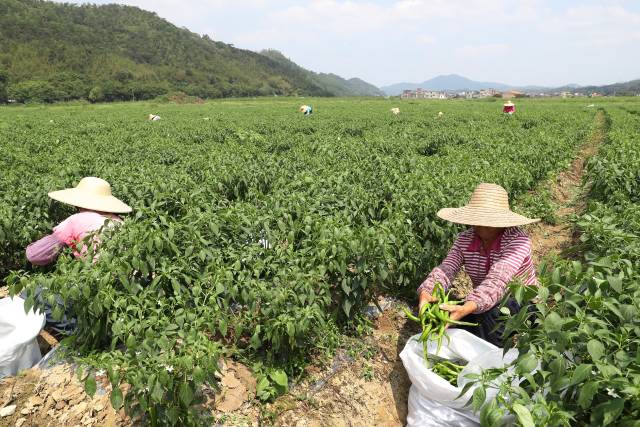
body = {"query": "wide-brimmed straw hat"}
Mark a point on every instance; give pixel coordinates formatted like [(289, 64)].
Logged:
[(488, 207), (91, 193), (508, 104)]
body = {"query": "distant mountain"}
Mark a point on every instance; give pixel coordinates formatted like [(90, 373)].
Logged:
[(627, 88), (448, 82), (362, 88), (454, 82), (331, 83), (52, 51)]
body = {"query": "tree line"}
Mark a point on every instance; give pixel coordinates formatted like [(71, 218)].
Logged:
[(59, 52)]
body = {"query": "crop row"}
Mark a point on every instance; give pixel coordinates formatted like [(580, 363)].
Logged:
[(346, 200), (579, 350)]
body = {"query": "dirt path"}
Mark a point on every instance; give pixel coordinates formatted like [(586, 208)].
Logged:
[(569, 195), (364, 391)]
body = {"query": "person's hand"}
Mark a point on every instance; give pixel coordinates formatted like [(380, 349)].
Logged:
[(425, 298), (457, 312)]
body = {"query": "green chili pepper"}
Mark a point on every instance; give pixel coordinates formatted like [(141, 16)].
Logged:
[(410, 315), (434, 322), (448, 370), (423, 309), (458, 322)]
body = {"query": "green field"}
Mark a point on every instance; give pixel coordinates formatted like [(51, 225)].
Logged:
[(346, 199)]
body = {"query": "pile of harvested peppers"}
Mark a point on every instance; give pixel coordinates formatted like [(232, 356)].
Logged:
[(448, 370), (434, 321)]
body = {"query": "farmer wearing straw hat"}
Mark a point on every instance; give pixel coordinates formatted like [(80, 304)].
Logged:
[(92, 196), (494, 251), (509, 107), (95, 203), (306, 109)]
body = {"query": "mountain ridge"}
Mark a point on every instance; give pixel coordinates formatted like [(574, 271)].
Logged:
[(328, 81), (444, 82), (60, 51), (455, 82)]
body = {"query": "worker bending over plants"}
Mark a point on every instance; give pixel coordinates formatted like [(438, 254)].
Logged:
[(494, 251), (95, 203)]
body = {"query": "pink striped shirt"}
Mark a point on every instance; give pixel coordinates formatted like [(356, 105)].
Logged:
[(508, 258), (68, 233)]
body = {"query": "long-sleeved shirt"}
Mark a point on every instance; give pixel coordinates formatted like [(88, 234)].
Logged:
[(490, 270), (68, 233)]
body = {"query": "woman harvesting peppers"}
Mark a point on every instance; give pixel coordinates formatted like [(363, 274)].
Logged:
[(494, 251), (96, 207)]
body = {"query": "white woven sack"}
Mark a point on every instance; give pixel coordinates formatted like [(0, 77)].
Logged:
[(432, 399), (18, 331)]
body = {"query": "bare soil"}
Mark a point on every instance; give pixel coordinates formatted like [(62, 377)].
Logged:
[(363, 392), (56, 397), (569, 194), (353, 390)]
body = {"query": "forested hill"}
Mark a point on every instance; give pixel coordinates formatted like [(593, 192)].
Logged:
[(329, 82), (51, 52)]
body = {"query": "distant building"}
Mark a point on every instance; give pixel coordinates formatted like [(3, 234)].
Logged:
[(423, 94), (488, 93), (407, 94)]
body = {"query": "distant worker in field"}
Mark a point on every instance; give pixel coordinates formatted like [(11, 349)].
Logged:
[(494, 250), (96, 205), (306, 109), (395, 111), (154, 118), (509, 107), (440, 114)]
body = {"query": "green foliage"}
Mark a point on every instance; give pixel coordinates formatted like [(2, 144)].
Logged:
[(330, 83), (272, 383), (112, 52), (32, 91), (257, 233), (585, 335), (538, 204), (4, 79), (96, 94)]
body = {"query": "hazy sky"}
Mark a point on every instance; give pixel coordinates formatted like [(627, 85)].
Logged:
[(516, 42)]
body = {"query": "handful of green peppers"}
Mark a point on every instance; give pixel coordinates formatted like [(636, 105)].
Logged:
[(434, 320), (448, 370)]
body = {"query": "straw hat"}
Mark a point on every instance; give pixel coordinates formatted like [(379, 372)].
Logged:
[(91, 193), (488, 207), (508, 104)]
